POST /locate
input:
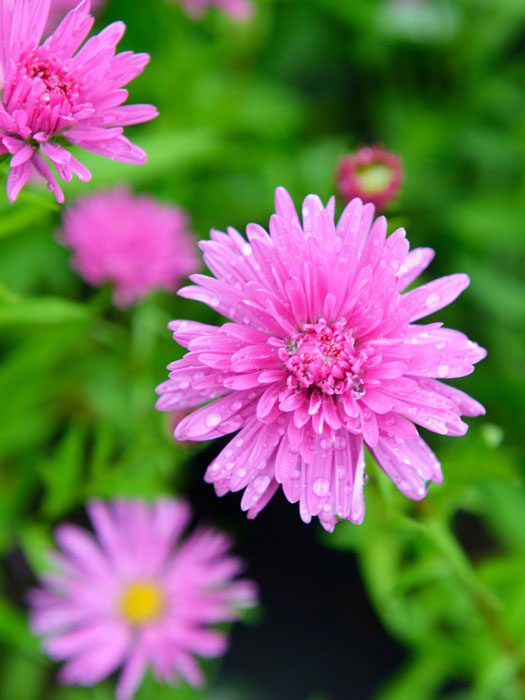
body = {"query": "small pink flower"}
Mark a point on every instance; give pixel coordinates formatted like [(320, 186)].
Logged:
[(130, 240), (57, 91), (320, 356), (372, 174), (239, 10), (135, 595)]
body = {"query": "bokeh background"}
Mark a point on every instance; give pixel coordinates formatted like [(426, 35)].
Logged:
[(422, 601)]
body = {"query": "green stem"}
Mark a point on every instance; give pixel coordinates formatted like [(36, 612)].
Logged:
[(487, 604)]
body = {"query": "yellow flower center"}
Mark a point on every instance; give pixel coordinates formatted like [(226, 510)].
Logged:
[(374, 177), (141, 602)]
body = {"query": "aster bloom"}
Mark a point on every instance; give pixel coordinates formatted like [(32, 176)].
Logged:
[(130, 240), (135, 595), (55, 91), (322, 356), (239, 10), (372, 173)]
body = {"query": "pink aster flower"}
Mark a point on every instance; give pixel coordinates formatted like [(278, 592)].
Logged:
[(372, 173), (240, 10), (321, 356), (56, 91), (135, 595), (130, 240)]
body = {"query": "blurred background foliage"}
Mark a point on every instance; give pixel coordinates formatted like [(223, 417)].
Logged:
[(245, 108)]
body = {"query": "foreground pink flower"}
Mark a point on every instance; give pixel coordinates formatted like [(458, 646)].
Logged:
[(322, 357), (135, 595), (372, 173), (54, 91), (130, 240), (240, 10)]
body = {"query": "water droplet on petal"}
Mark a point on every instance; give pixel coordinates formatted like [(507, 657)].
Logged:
[(321, 487), (340, 443), (443, 370), (260, 484), (432, 300), (340, 472), (212, 419)]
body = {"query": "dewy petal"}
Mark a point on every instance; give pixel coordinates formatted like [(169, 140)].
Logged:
[(29, 19), (439, 293), (17, 178), (409, 463), (52, 185), (124, 115), (71, 31), (415, 262), (465, 403), (218, 418)]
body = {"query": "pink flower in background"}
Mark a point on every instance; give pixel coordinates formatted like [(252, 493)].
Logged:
[(240, 10), (60, 7), (57, 91), (322, 356), (372, 173), (130, 240), (136, 596)]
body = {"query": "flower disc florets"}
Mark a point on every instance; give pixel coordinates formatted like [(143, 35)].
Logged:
[(322, 356), (43, 86), (325, 357)]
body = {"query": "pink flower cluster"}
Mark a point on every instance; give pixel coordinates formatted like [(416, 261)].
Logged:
[(321, 355), (129, 240), (57, 89), (136, 595), (240, 10)]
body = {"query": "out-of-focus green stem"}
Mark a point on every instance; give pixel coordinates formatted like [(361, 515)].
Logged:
[(487, 604)]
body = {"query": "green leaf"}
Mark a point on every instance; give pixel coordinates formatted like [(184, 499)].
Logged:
[(41, 311), (419, 679), (14, 631), (62, 474), (22, 678)]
